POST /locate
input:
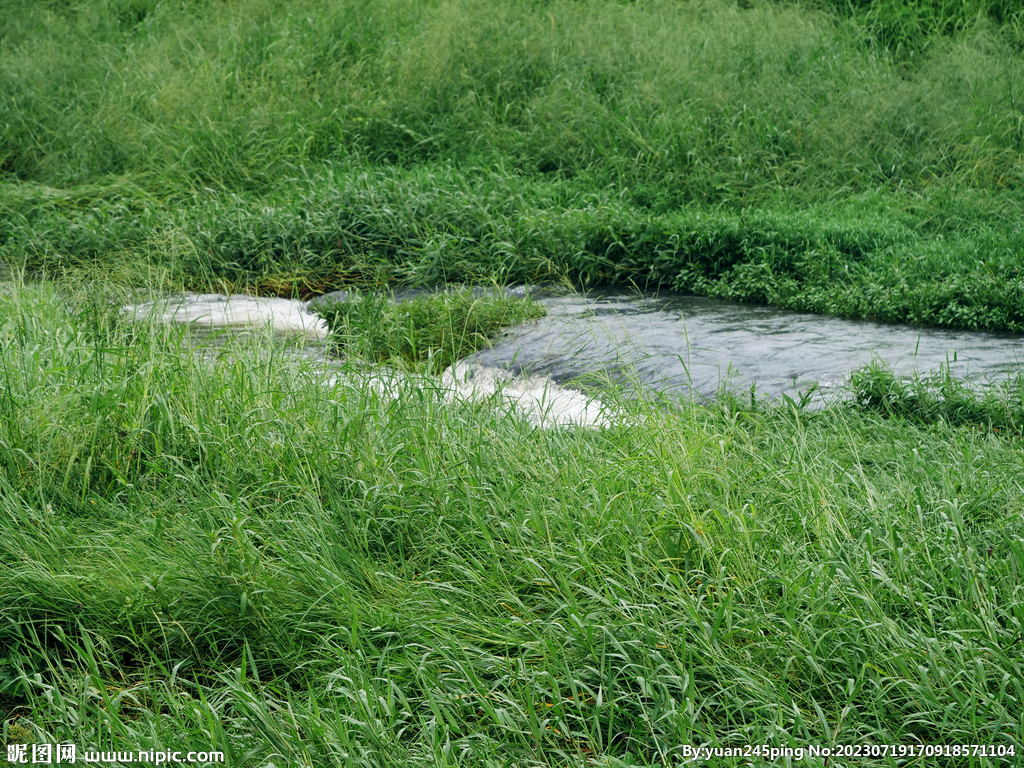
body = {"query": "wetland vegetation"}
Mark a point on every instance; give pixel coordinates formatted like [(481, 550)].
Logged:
[(223, 554)]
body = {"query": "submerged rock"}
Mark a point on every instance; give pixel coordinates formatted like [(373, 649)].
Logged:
[(334, 297)]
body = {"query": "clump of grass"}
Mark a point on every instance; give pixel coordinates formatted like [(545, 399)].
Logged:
[(940, 398), (437, 329)]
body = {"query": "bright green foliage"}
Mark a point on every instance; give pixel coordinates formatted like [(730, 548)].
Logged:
[(908, 27), (225, 554), (763, 153)]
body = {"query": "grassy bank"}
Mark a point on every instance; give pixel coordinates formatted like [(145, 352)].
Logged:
[(227, 555), (232, 555), (799, 155)]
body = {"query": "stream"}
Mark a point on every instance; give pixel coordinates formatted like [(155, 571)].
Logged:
[(691, 345), (674, 344)]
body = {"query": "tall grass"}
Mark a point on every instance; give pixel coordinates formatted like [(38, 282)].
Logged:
[(683, 101), (909, 28), (753, 153), (223, 554), (431, 225), (226, 553), (435, 331), (941, 398)]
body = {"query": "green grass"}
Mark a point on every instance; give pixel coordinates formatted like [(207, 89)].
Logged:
[(910, 28), (435, 330), (941, 398), (683, 100), (224, 554), (857, 257), (761, 151)]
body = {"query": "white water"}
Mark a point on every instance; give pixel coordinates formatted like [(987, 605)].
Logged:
[(667, 343), (537, 399), (540, 401), (686, 346), (209, 313)]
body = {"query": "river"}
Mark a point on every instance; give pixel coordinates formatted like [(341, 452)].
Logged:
[(687, 344)]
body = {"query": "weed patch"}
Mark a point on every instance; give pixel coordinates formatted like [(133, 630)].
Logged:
[(940, 399)]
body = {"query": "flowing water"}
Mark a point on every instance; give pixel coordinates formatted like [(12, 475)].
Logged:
[(685, 344), (210, 314), (678, 345), (214, 319)]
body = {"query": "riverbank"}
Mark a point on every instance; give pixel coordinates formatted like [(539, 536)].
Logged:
[(230, 556), (861, 164), (353, 226)]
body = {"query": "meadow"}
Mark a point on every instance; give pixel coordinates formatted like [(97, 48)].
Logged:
[(864, 164), (228, 554)]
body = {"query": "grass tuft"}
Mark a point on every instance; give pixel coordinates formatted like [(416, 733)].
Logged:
[(437, 329)]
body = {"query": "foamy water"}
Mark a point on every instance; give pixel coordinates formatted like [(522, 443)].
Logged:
[(212, 312), (537, 399)]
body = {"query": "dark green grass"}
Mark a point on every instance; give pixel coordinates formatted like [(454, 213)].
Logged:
[(941, 398), (226, 555), (856, 258), (909, 28)]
